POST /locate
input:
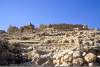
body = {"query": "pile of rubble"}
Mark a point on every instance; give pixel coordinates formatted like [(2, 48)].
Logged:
[(83, 50), (76, 58), (71, 48), (65, 57)]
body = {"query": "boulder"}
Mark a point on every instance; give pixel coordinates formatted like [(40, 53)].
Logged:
[(68, 58), (66, 64), (56, 62), (78, 61), (35, 58), (90, 57)]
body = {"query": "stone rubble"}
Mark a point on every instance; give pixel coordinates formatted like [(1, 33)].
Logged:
[(71, 48)]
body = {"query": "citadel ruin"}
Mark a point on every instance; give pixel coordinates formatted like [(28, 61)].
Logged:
[(50, 45)]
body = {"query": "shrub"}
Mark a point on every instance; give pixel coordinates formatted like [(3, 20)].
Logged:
[(12, 29), (25, 38)]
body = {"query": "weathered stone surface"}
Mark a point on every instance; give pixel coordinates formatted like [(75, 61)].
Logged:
[(78, 61), (84, 53), (68, 58), (52, 47), (76, 54), (66, 64), (91, 64), (90, 57)]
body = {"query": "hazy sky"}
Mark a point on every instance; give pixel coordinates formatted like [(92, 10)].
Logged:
[(21, 12)]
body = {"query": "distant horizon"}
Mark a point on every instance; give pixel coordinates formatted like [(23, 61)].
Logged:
[(45, 24), (21, 12)]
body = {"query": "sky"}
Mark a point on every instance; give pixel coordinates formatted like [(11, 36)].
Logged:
[(22, 12)]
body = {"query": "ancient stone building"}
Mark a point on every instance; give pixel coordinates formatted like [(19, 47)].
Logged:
[(68, 27)]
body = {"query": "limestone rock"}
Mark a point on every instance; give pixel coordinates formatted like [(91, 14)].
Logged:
[(68, 58), (98, 56), (70, 52), (35, 58), (66, 64), (76, 54), (90, 57), (84, 53), (56, 61), (30, 48), (78, 61), (90, 64)]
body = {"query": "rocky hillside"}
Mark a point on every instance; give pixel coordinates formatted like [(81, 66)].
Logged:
[(51, 47)]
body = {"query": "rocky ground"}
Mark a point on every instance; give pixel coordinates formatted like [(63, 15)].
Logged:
[(51, 48)]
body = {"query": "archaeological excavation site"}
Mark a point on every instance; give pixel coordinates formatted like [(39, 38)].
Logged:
[(50, 45)]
